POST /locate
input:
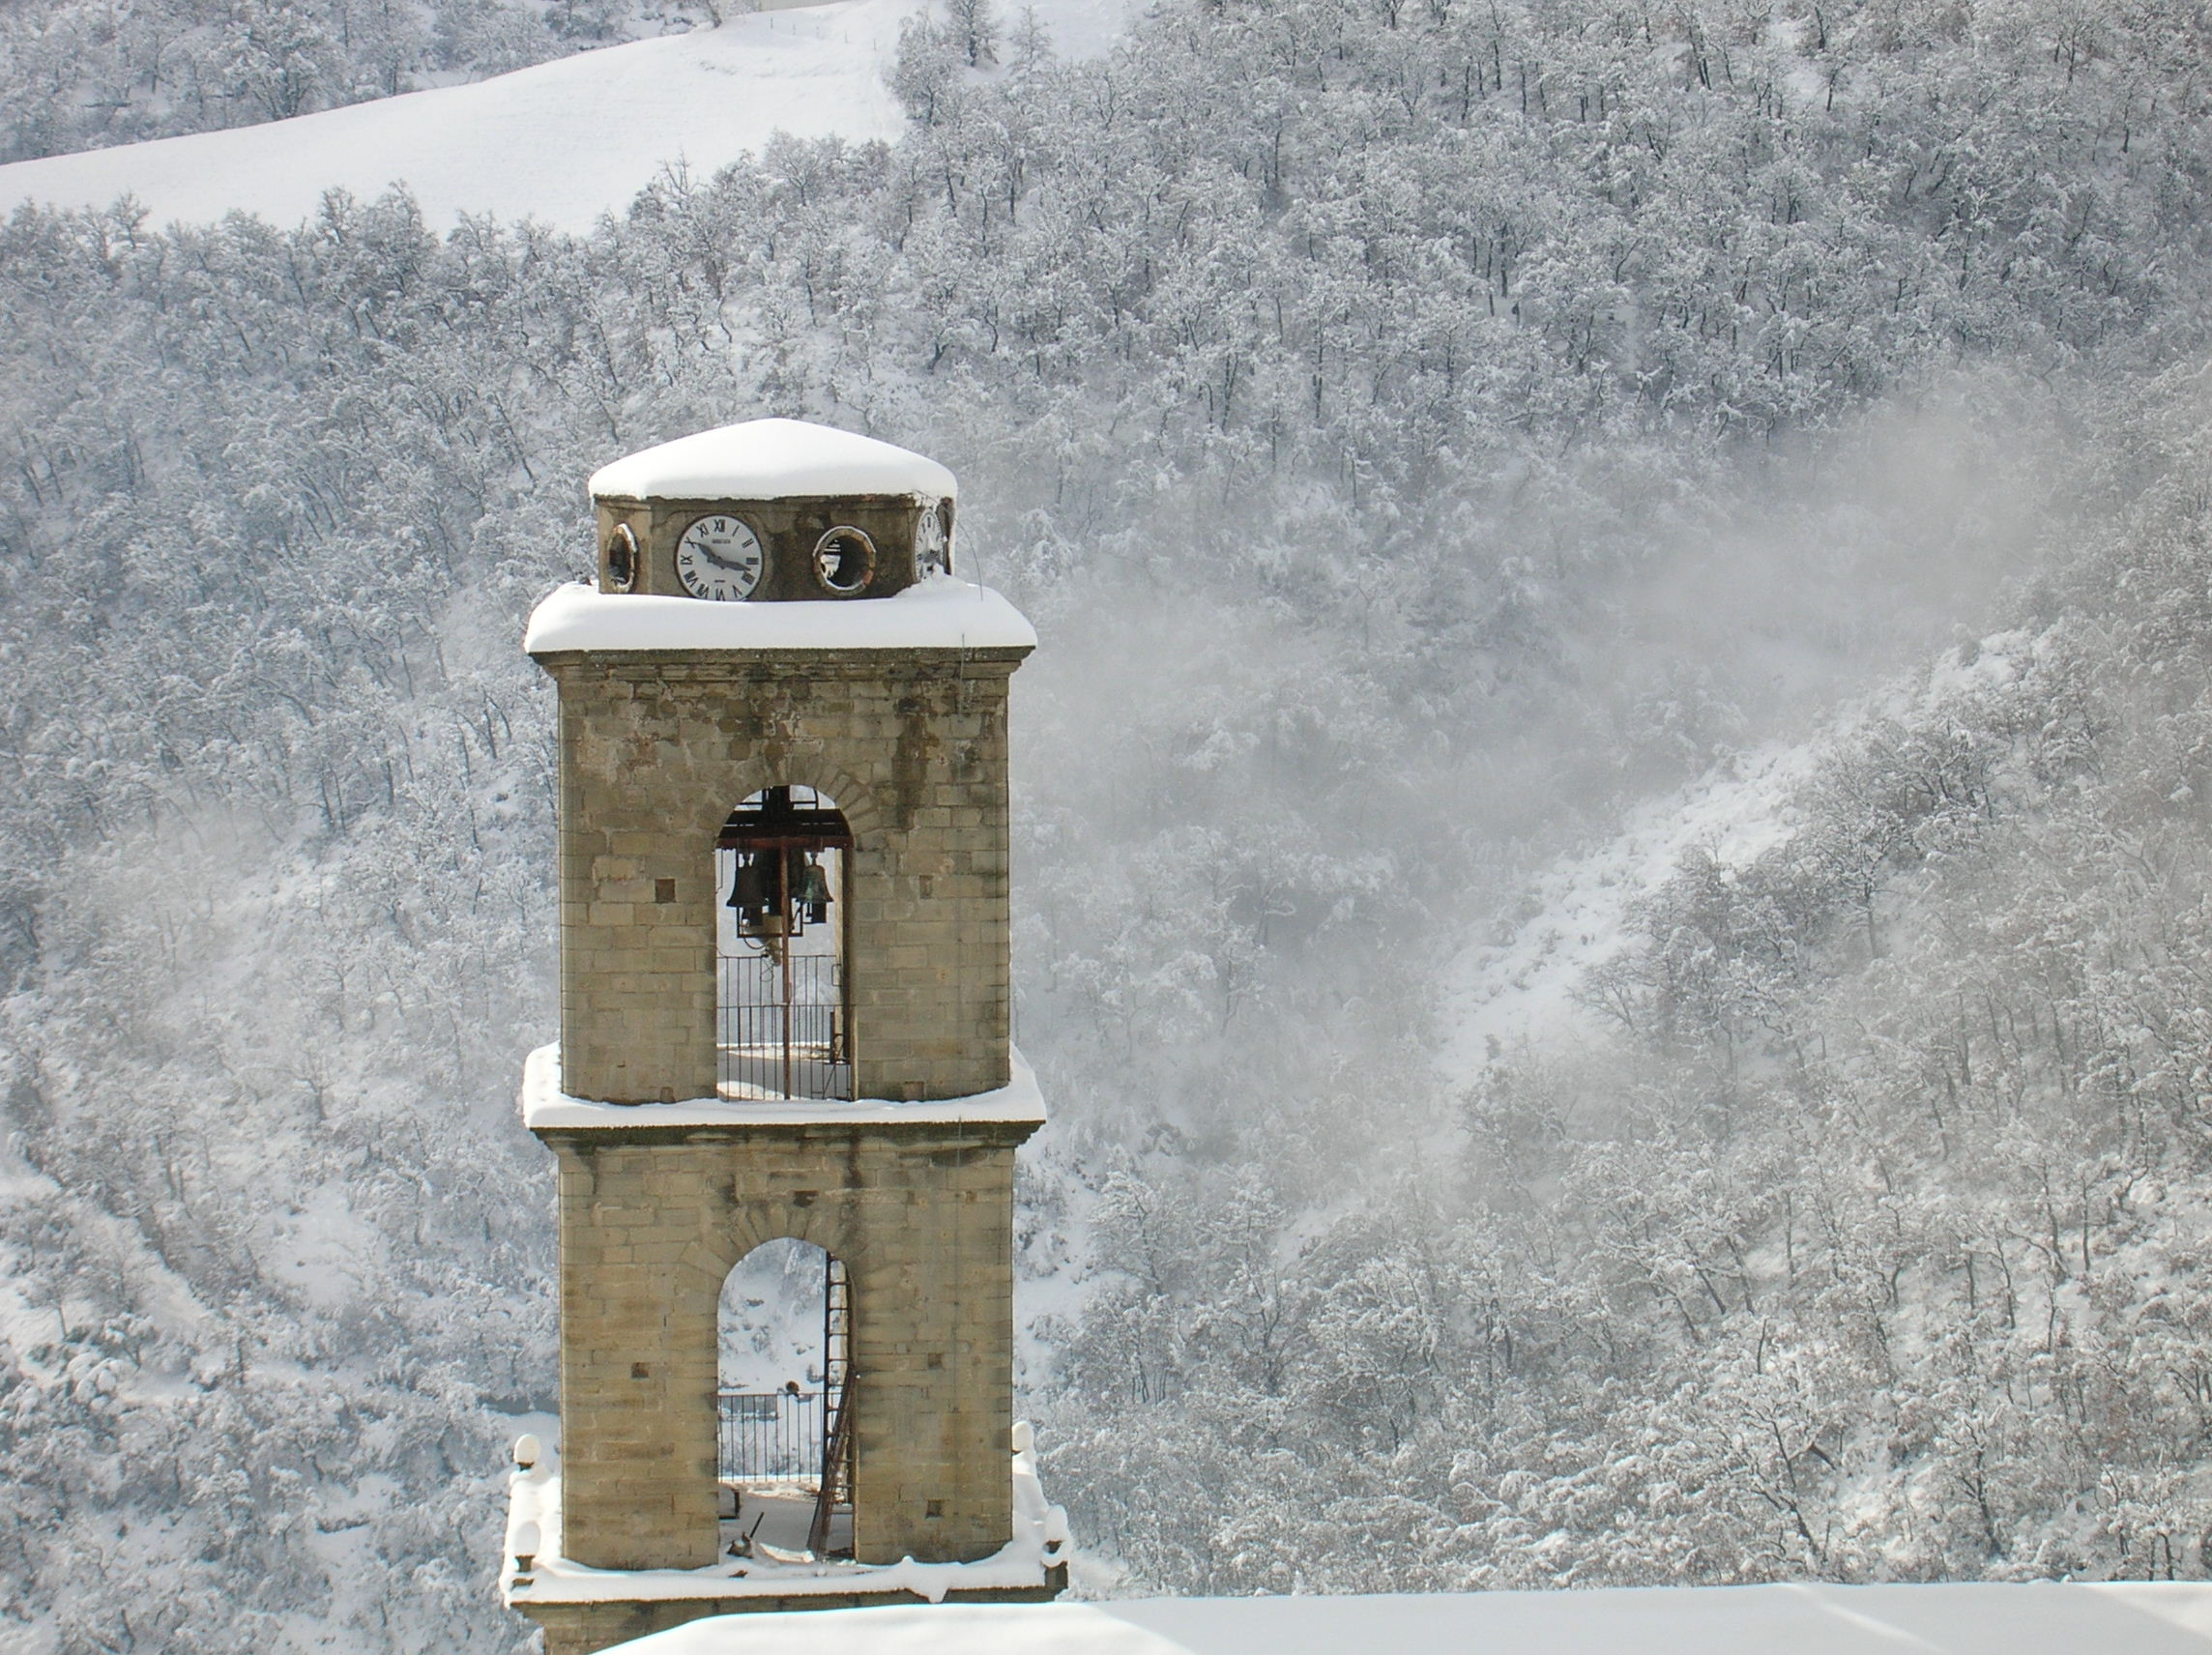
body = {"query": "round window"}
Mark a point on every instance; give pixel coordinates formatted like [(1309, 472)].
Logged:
[(932, 546), (844, 561), (621, 559)]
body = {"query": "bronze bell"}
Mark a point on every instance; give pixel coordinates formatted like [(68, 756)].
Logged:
[(748, 892), (813, 895)]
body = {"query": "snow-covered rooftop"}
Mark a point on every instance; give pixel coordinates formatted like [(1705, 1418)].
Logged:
[(2109, 1618), (771, 459), (1020, 1102), (940, 613), (1038, 1545)]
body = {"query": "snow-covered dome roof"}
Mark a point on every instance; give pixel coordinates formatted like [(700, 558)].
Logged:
[(771, 459)]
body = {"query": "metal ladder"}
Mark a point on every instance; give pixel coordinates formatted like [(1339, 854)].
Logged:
[(837, 1398)]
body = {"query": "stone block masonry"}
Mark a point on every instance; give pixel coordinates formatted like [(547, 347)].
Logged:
[(657, 748), (652, 1221)]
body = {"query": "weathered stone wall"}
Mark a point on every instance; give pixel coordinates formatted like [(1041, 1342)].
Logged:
[(656, 750), (651, 1223)]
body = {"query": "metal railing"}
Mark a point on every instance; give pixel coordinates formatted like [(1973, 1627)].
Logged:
[(782, 1027), (768, 1436)]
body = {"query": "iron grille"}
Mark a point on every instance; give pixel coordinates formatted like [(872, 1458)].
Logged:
[(783, 1027), (769, 1436)]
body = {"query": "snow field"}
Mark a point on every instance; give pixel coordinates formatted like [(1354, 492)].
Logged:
[(560, 142), (1979, 1620)]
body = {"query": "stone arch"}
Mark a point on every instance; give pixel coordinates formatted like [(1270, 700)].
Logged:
[(750, 1224), (745, 778), (739, 1216)]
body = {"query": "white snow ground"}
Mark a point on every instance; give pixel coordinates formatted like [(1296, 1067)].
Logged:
[(2121, 1618), (561, 142)]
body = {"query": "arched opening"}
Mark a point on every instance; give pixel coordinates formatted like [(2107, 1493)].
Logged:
[(784, 1014), (783, 1384)]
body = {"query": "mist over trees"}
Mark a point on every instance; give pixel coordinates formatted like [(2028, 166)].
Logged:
[(1421, 433)]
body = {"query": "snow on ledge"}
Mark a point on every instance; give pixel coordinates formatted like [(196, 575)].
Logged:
[(1038, 1545), (545, 1107), (940, 613), (921, 1629), (771, 459)]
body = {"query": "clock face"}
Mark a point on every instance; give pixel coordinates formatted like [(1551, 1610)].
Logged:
[(929, 545), (720, 558)]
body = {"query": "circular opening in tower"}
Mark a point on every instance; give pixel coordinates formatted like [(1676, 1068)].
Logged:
[(844, 561), (933, 541), (783, 994), (621, 559)]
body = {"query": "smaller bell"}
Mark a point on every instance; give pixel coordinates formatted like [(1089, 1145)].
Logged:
[(814, 893)]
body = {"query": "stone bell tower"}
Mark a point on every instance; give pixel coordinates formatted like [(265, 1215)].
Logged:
[(784, 1018)]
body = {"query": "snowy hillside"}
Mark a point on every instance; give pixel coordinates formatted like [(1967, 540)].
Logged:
[(1397, 421), (1538, 988), (1529, 988), (560, 142)]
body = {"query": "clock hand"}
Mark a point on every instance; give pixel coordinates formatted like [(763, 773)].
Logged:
[(719, 562)]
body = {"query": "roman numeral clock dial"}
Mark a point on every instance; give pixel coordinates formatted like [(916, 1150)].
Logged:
[(720, 558)]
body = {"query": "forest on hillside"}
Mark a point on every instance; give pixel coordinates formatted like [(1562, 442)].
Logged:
[(1423, 434)]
